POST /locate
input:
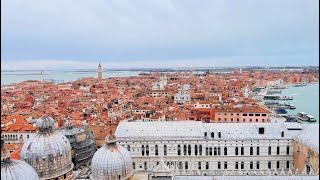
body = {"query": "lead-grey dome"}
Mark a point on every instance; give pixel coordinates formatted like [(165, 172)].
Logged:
[(111, 161), (15, 169), (48, 152)]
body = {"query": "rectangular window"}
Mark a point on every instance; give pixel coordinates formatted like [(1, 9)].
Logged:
[(250, 114), (215, 151), (242, 165), (199, 165), (189, 150), (200, 150), (258, 150), (269, 164), (244, 115), (278, 164), (185, 149), (251, 150), (207, 165), (219, 151), (237, 165), (186, 165), (179, 150), (236, 151), (225, 151), (258, 165), (242, 151), (288, 150), (263, 114), (251, 165), (219, 165), (257, 114), (225, 165), (278, 150), (142, 150), (288, 164)]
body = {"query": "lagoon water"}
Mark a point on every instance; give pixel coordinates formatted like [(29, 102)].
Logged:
[(66, 76), (305, 98)]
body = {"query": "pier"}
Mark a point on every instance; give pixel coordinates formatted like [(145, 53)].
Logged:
[(277, 97)]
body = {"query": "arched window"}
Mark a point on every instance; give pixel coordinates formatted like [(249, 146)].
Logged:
[(156, 150), (215, 151), (219, 151), (128, 147), (210, 151), (251, 150), (133, 165), (195, 150), (288, 150), (200, 150), (179, 150), (165, 150), (147, 150), (236, 151), (205, 134), (189, 149), (282, 134), (219, 134), (212, 134), (142, 150), (225, 151), (278, 150), (242, 151), (269, 150)]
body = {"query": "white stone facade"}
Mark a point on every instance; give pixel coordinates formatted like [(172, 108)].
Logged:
[(208, 149)]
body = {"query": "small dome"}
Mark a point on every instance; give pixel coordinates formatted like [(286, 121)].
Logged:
[(48, 148), (17, 170), (111, 161), (45, 122)]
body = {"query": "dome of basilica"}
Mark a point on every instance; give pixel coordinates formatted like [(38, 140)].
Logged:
[(111, 161), (48, 152), (15, 169)]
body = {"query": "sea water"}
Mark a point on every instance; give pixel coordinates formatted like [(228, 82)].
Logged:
[(66, 76), (305, 99)]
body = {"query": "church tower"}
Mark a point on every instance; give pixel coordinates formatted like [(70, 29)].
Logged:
[(99, 71)]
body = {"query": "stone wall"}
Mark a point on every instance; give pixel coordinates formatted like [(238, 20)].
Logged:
[(303, 155)]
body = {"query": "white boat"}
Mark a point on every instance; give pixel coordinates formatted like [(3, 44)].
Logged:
[(311, 118)]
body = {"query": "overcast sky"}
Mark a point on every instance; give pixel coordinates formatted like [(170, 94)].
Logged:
[(75, 34)]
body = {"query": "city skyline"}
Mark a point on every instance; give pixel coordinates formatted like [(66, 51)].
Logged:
[(162, 34)]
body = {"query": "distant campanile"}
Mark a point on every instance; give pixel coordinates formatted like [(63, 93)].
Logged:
[(99, 71)]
